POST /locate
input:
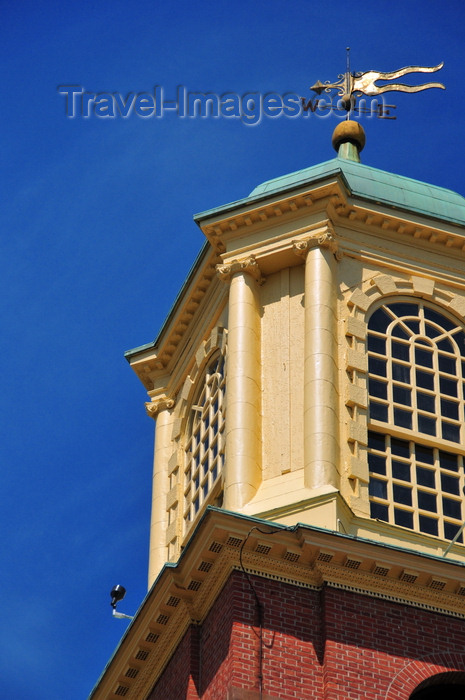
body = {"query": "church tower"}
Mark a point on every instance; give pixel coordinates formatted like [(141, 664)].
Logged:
[(308, 388)]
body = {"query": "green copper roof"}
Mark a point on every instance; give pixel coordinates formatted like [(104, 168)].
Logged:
[(366, 183)]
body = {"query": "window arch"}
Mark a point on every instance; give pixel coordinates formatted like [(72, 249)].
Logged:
[(416, 375), (205, 439)]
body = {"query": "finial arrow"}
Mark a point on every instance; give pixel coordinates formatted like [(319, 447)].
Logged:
[(318, 87)]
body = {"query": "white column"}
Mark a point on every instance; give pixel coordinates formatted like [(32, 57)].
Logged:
[(321, 424), (242, 473), (158, 554)]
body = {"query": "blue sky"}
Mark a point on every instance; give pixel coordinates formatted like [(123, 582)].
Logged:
[(97, 237)]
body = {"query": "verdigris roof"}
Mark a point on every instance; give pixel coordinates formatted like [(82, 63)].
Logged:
[(364, 182)]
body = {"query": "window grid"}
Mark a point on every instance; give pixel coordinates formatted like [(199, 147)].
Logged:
[(205, 446), (415, 486), (416, 362)]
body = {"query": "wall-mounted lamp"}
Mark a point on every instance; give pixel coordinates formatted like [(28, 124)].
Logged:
[(117, 593)]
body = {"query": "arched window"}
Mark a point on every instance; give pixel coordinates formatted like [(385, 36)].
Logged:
[(205, 442), (416, 438), (444, 691), (443, 686)]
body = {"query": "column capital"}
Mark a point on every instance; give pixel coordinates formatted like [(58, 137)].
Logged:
[(247, 265), (321, 240), (157, 404)]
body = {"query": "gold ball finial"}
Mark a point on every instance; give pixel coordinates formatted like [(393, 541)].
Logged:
[(349, 132)]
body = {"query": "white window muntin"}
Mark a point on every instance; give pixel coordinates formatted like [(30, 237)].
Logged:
[(416, 386)]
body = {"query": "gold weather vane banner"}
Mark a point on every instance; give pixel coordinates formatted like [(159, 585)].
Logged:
[(365, 83)]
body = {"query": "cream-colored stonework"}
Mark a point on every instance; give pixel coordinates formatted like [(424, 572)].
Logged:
[(282, 345), (291, 282)]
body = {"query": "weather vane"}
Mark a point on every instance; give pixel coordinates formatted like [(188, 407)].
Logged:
[(352, 85)]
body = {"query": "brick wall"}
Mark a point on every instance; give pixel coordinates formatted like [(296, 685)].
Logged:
[(379, 650), (177, 681), (328, 645)]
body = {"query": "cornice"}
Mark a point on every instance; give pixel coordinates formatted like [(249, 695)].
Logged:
[(341, 207), (300, 556)]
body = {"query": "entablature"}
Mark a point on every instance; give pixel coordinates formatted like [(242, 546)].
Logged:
[(287, 249), (257, 223)]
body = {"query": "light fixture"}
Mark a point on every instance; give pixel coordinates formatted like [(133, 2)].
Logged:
[(117, 593)]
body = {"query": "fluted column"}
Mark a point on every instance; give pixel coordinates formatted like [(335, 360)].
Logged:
[(321, 424), (242, 473), (160, 409)]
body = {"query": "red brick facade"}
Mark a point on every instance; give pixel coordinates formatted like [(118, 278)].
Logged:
[(330, 644)]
